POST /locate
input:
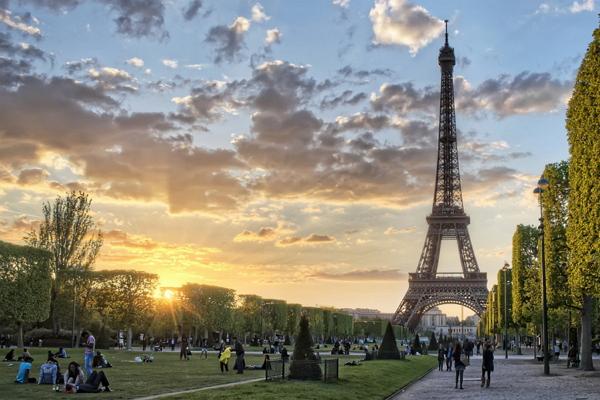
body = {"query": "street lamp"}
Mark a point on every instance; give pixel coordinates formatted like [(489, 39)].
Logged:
[(541, 186), (505, 271)]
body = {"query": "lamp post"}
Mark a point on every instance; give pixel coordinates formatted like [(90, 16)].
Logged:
[(505, 271), (541, 186)]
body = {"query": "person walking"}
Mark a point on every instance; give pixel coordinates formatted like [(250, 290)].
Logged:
[(88, 352), (487, 365), (459, 365), (449, 357), (240, 364), (224, 359), (441, 352), (183, 351)]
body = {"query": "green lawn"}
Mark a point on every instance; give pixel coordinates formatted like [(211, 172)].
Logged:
[(372, 380), (128, 379)]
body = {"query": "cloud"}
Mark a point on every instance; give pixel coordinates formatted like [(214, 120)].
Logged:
[(24, 50), (135, 62), (32, 176), (139, 18), (17, 24), (363, 74), (209, 101), (398, 22), (112, 79), (258, 13), (391, 231), (170, 63), (361, 275), (192, 10), (312, 239), (348, 97), (404, 98), (119, 238), (263, 234), (584, 5), (76, 66), (273, 36), (341, 3), (228, 39)]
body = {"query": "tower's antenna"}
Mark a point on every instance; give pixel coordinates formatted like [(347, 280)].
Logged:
[(446, 22)]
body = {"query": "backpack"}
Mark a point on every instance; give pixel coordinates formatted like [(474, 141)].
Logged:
[(48, 374)]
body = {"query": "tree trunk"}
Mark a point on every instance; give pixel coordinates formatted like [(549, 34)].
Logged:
[(129, 337), (20, 339), (586, 334)]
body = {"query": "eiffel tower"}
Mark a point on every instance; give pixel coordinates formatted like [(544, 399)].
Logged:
[(448, 221)]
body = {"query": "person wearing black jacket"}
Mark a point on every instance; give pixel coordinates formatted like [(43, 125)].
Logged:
[(487, 365), (240, 364)]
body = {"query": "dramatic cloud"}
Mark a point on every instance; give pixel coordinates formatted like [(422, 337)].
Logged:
[(24, 50), (228, 39), (18, 25), (119, 238), (32, 176), (258, 13), (135, 62), (209, 101), (398, 22), (404, 98), (192, 10), (273, 36)]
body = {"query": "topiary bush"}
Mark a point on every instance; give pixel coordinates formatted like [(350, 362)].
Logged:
[(305, 364), (389, 349)]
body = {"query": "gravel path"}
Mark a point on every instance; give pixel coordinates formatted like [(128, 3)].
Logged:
[(516, 378)]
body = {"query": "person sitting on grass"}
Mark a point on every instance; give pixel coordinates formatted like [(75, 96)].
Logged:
[(100, 361), (224, 359), (74, 374), (61, 353), (24, 371), (96, 382), (49, 372), (25, 354), (10, 356)]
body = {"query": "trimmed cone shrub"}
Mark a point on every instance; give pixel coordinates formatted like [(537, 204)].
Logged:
[(388, 349), (433, 344), (304, 362), (417, 344)]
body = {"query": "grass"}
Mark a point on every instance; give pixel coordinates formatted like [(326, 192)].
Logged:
[(129, 380), (372, 380)]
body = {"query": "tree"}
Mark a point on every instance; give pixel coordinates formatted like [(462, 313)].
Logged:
[(388, 349), (504, 278), (416, 345), (131, 298), (524, 274), (294, 311), (25, 283), (69, 232), (583, 131), (433, 344), (304, 362), (211, 305)]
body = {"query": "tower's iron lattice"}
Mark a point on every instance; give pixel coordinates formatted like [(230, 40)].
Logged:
[(448, 221)]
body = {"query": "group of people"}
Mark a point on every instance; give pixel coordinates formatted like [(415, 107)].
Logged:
[(224, 356), (74, 379), (460, 356)]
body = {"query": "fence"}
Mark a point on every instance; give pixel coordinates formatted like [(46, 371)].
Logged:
[(276, 369)]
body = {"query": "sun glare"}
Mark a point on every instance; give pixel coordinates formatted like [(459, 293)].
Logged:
[(168, 294)]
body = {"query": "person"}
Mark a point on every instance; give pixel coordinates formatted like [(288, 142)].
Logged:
[(121, 342), (449, 357), (441, 352), (24, 371), (459, 365), (49, 372), (240, 364), (204, 348), (487, 365), (96, 382), (572, 357), (172, 342), (100, 361), (74, 374), (478, 346), (556, 351), (61, 353), (24, 355), (10, 356), (284, 354), (224, 359), (88, 352), (183, 351), (266, 363)]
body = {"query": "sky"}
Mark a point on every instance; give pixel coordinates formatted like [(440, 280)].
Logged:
[(281, 148)]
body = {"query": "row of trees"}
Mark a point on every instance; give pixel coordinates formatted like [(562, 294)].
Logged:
[(571, 222)]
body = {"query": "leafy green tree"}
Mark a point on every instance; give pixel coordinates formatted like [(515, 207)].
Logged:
[(25, 282), (250, 313), (504, 278), (69, 232), (212, 305), (304, 362), (583, 130), (274, 315), (131, 298), (293, 318), (389, 349), (315, 319), (524, 275)]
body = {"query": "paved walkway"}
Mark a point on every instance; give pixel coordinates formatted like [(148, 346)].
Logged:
[(515, 378)]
